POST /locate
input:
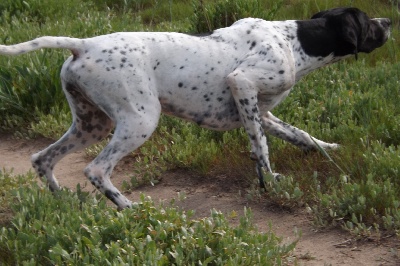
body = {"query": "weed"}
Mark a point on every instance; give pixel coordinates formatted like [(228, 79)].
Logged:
[(354, 103), (78, 229), (208, 16)]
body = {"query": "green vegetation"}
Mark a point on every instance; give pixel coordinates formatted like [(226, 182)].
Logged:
[(354, 103), (77, 229)]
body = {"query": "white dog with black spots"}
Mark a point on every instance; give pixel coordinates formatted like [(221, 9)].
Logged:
[(228, 79)]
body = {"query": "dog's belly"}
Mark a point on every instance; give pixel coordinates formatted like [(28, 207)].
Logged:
[(222, 115), (191, 83)]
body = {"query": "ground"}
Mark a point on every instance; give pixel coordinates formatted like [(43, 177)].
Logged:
[(317, 246)]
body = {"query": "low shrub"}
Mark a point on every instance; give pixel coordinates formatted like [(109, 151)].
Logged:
[(69, 228)]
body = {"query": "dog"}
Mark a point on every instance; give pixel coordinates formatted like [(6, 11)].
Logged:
[(230, 78)]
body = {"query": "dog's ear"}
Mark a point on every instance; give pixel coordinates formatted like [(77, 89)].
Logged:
[(351, 26)]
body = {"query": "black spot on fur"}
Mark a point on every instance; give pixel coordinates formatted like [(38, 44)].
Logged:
[(244, 101), (63, 149), (112, 196)]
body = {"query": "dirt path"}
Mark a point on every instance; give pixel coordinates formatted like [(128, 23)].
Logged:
[(316, 247)]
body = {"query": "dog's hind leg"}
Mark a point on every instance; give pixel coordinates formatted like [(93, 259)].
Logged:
[(89, 126), (275, 127), (134, 125)]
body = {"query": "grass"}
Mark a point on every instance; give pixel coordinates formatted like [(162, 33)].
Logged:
[(69, 228), (353, 103)]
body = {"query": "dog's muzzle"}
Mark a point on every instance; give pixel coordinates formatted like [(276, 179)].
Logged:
[(385, 23)]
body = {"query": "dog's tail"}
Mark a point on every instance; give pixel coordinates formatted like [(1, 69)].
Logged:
[(75, 45)]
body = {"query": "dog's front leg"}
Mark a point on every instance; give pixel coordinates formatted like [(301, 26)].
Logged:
[(245, 95), (275, 127)]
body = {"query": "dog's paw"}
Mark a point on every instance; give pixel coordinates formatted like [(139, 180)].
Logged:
[(127, 205), (269, 178), (332, 146), (277, 177), (320, 147)]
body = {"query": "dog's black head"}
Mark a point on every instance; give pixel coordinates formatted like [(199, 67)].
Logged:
[(355, 30), (342, 32)]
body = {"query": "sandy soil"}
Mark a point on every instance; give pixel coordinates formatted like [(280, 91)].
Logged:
[(316, 247)]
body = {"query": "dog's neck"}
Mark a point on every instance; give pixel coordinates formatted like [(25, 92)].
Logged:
[(318, 46), (316, 38)]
